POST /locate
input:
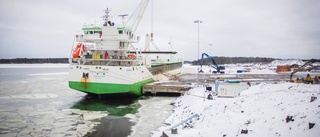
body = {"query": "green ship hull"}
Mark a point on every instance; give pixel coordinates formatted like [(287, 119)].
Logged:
[(109, 88)]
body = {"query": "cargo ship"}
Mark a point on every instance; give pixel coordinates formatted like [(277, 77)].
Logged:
[(104, 60)]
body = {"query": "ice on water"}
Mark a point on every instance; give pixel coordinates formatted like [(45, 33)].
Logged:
[(37, 104)]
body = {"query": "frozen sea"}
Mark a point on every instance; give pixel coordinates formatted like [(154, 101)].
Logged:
[(35, 100)]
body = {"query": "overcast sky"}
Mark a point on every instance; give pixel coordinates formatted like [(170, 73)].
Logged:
[(247, 28)]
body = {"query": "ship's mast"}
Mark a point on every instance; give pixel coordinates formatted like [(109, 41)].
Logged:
[(106, 17)]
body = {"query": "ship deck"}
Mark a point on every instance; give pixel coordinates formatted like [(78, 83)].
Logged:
[(161, 67)]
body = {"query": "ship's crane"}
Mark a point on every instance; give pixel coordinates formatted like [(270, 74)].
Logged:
[(135, 18), (215, 65)]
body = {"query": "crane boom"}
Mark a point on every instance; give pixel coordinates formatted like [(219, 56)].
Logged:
[(135, 18)]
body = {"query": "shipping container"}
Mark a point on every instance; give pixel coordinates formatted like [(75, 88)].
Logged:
[(230, 89), (283, 68)]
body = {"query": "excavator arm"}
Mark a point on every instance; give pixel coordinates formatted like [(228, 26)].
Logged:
[(303, 66), (215, 65)]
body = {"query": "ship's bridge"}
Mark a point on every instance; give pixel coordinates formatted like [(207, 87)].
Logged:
[(106, 33)]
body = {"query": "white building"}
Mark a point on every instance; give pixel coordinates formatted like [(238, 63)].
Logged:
[(230, 89)]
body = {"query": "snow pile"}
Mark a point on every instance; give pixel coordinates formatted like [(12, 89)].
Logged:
[(230, 69), (275, 63), (190, 69), (252, 69), (263, 110)]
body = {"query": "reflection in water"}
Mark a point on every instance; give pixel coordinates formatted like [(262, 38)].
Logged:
[(112, 126), (114, 105)]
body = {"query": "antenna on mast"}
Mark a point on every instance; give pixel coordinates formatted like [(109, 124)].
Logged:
[(122, 17), (106, 17)]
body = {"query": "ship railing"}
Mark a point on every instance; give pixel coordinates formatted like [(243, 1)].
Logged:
[(79, 38), (114, 60), (122, 37), (91, 37), (107, 62), (166, 60), (95, 37)]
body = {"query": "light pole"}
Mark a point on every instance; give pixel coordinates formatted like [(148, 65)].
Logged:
[(198, 21)]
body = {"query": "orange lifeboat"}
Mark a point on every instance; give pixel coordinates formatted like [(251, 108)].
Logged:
[(132, 56), (79, 50)]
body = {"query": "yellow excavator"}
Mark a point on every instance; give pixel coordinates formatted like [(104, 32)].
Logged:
[(307, 79)]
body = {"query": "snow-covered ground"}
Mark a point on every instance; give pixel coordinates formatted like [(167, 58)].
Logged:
[(261, 110), (265, 109), (230, 69), (252, 68)]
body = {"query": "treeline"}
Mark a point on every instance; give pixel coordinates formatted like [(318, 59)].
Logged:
[(233, 60), (33, 60), (219, 60)]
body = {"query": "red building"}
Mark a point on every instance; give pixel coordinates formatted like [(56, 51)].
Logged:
[(286, 68)]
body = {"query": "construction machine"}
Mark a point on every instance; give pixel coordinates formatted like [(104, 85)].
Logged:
[(214, 64), (308, 79)]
